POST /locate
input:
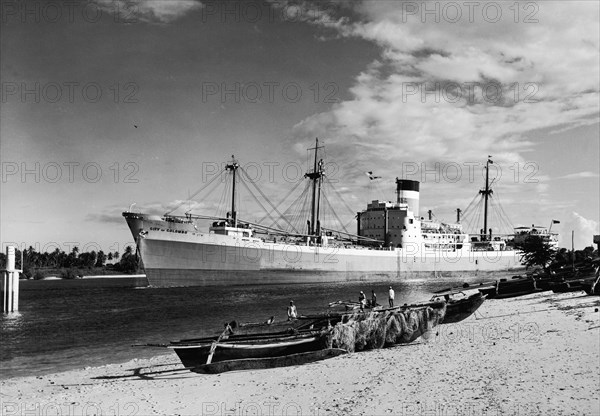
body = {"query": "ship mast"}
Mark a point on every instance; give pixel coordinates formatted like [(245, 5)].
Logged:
[(315, 176), (486, 192), (233, 167)]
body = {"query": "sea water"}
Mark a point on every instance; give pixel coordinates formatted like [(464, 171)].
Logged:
[(66, 327)]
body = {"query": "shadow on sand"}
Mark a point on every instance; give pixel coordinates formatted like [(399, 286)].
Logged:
[(152, 372)]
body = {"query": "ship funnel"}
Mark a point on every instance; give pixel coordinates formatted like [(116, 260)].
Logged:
[(408, 193)]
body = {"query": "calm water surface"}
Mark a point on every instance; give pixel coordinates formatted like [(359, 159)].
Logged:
[(67, 328)]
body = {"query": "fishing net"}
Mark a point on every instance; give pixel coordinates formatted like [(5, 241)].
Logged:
[(373, 330), (343, 336), (370, 332), (409, 324), (360, 331)]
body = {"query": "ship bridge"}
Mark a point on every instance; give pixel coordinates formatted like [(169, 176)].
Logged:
[(393, 223), (225, 228)]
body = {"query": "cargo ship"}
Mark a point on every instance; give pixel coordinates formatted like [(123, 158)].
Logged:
[(391, 242)]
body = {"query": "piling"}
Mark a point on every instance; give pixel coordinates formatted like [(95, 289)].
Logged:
[(10, 283)]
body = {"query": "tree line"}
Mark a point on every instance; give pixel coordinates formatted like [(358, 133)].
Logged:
[(73, 264), (537, 252)]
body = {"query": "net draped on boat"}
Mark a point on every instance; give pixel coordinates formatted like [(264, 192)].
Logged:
[(377, 329)]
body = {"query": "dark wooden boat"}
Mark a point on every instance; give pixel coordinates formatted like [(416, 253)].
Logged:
[(592, 287), (503, 288), (566, 279), (316, 321), (303, 322), (485, 288), (194, 352), (516, 286), (572, 285), (460, 305), (488, 289), (351, 331), (268, 362), (350, 305)]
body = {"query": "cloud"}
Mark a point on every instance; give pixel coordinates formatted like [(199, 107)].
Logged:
[(443, 91), (107, 218), (113, 214), (580, 175), (150, 11), (584, 229), (181, 206)]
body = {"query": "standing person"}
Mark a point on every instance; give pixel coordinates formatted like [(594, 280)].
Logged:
[(391, 297), (291, 311), (373, 299)]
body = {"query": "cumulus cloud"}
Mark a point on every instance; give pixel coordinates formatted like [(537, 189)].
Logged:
[(151, 11), (584, 229), (445, 91)]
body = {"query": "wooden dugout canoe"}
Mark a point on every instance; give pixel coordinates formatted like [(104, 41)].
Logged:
[(268, 362)]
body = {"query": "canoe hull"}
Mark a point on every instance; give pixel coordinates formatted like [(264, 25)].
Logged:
[(461, 309), (268, 362), (194, 355)]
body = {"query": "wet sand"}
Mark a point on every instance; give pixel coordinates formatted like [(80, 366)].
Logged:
[(532, 355)]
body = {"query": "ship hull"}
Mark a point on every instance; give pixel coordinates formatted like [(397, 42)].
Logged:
[(177, 254), (181, 263)]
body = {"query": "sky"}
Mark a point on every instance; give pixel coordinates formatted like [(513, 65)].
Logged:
[(109, 103)]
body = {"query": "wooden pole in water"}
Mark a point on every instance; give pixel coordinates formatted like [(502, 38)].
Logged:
[(10, 283)]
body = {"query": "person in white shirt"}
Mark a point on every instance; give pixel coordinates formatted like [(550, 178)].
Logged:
[(391, 297), (291, 311)]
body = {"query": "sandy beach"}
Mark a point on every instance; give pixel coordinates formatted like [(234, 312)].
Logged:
[(533, 355)]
